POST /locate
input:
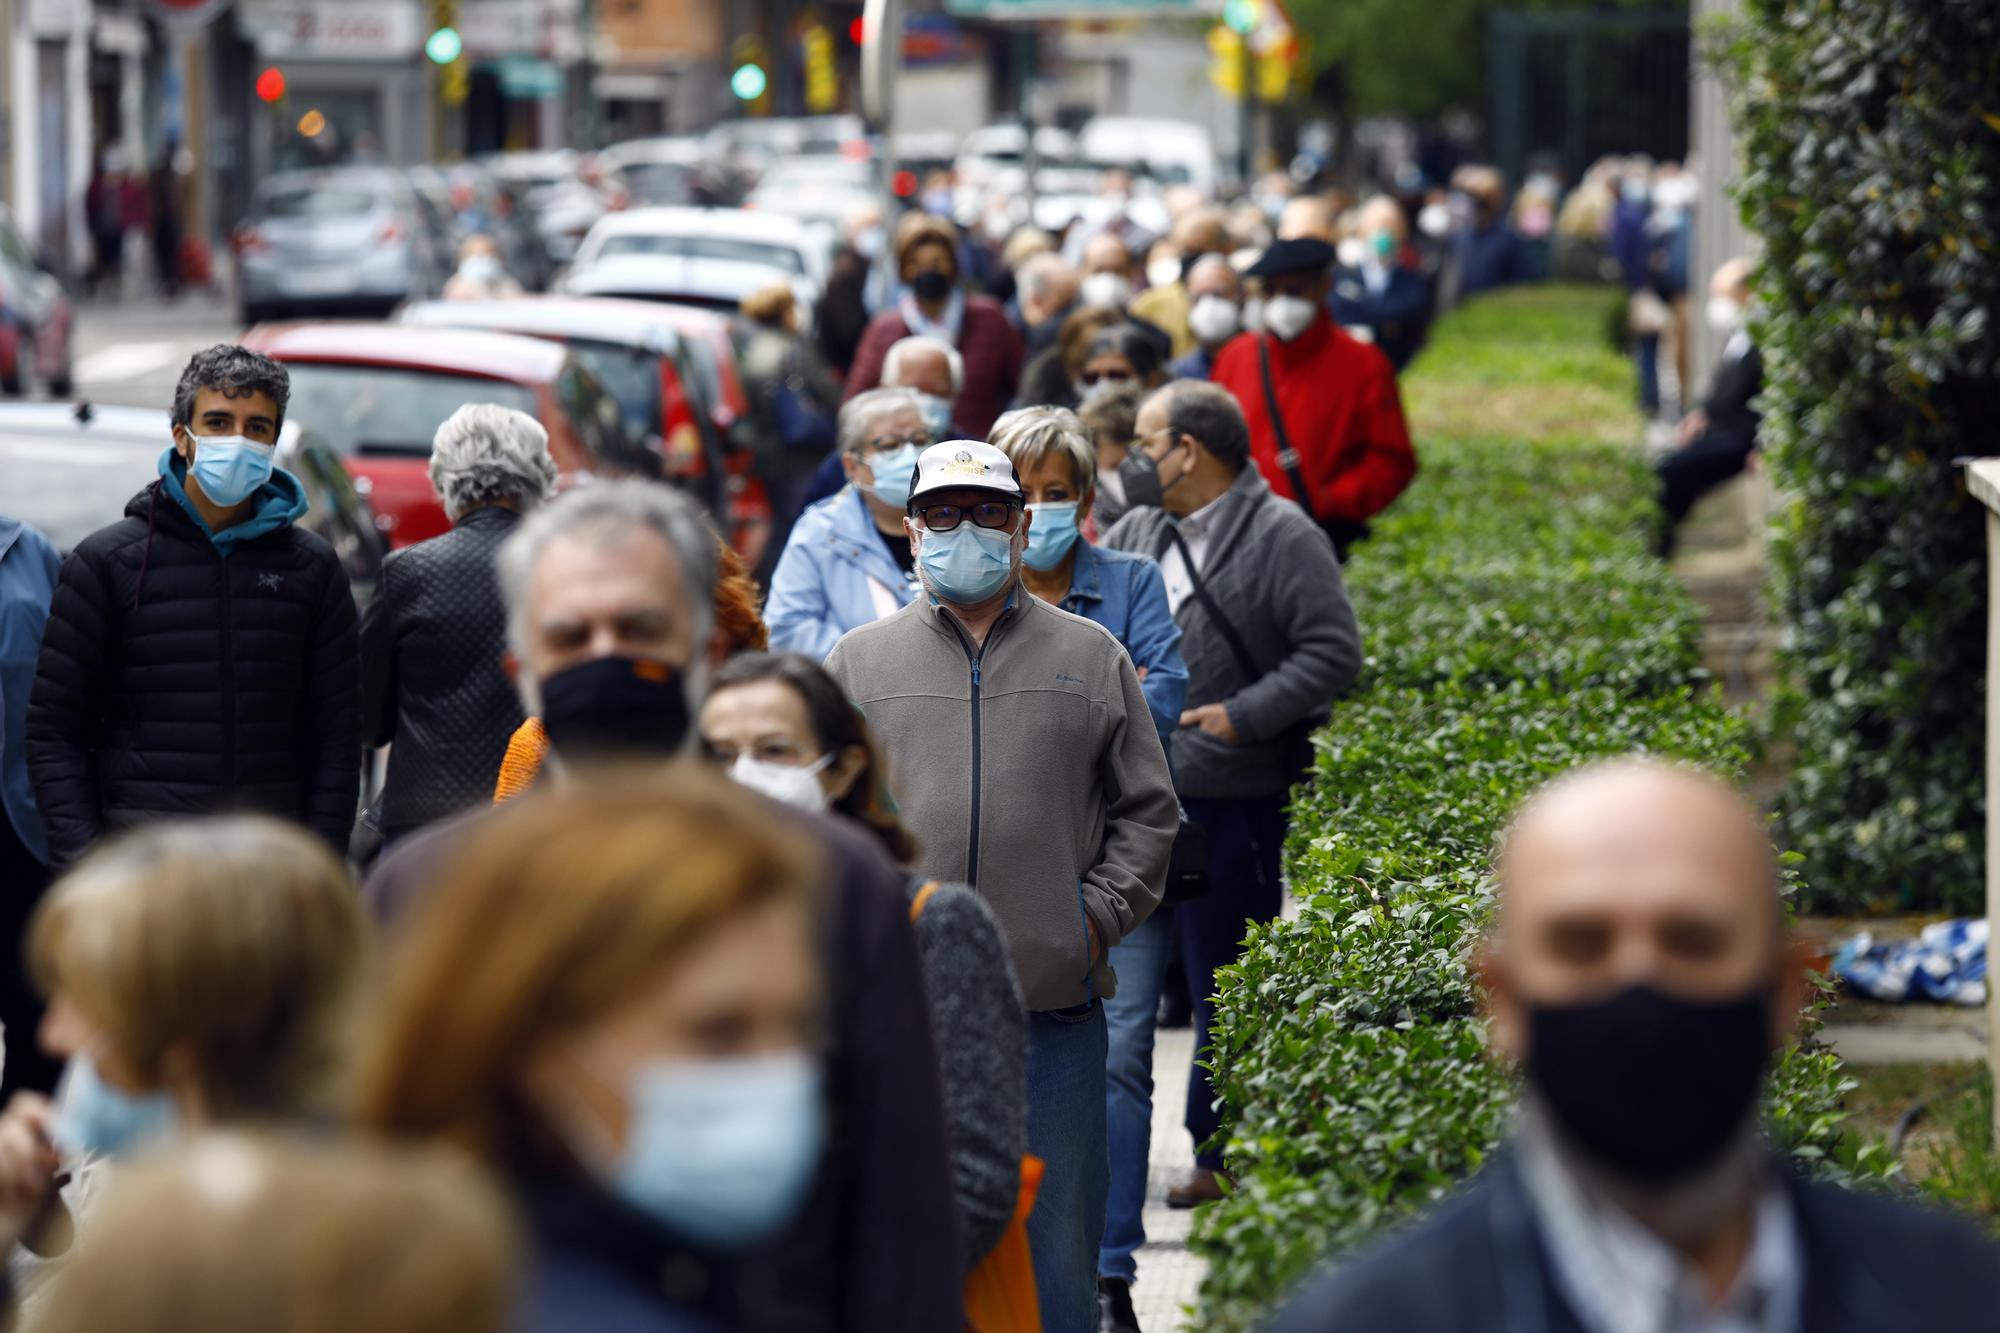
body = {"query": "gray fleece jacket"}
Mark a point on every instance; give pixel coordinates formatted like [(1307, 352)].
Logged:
[(1028, 768), (1272, 571)]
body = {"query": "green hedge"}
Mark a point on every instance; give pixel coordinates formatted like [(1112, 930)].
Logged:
[(1515, 626), (1870, 133)]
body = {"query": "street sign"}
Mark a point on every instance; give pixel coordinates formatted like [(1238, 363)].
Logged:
[(526, 79), (1000, 10)]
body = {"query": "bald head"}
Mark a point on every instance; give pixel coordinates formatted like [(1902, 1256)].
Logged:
[(1732, 280), (1635, 873), (1312, 216)]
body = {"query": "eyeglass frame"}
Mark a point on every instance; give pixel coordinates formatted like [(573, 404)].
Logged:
[(889, 444), (920, 514)]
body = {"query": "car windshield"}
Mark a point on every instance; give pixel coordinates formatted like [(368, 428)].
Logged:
[(383, 410), (782, 257), (69, 486), (660, 182), (322, 202), (631, 375)]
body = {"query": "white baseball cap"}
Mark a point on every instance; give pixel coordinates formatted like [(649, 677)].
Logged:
[(964, 465)]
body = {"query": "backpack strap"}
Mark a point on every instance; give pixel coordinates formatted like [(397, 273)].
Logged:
[(923, 897)]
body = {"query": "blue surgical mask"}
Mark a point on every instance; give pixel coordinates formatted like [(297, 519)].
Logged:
[(893, 474), (92, 1116), (1051, 535), (937, 414), (722, 1151), (966, 565), (230, 468)]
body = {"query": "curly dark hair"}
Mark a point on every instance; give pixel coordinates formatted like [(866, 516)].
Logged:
[(237, 372)]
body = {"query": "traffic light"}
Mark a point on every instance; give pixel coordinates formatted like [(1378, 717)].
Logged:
[(271, 84), (750, 78), (444, 46), (822, 75), (1240, 15)]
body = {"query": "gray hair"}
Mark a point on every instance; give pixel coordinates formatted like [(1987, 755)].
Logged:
[(899, 352), (858, 414), (604, 512), (1209, 413), (237, 372), (1028, 435), (1039, 278), (484, 452)]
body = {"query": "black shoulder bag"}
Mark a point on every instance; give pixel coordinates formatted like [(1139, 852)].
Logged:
[(1295, 745), (1342, 532)]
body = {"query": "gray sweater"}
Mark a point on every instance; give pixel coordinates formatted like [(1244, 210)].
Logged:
[(982, 1042), (1030, 769), (1273, 572)]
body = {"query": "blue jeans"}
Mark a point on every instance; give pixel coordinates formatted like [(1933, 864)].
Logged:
[(1246, 843), (1141, 964), (1066, 1050)]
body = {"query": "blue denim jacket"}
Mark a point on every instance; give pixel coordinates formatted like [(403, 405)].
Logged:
[(1124, 592), (825, 582), (28, 569)]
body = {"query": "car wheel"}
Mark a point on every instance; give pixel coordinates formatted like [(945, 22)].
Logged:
[(254, 313), (63, 385), (11, 385)]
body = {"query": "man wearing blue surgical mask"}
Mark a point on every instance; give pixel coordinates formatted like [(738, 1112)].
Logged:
[(847, 561), (200, 652), (1026, 763)]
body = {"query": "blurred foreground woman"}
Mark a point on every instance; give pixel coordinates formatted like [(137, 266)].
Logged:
[(613, 1000), (232, 1235)]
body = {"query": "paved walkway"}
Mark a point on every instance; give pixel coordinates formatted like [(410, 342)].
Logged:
[(1169, 1276)]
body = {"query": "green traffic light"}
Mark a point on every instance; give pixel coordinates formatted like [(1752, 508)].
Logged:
[(1240, 15), (444, 46), (748, 82)]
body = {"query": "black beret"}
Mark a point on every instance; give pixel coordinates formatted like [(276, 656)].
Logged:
[(1301, 254)]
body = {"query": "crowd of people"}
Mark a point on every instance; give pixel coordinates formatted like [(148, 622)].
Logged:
[(715, 955)]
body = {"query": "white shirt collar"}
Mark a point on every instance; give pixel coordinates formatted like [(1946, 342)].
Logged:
[(1621, 1278), (1201, 520)]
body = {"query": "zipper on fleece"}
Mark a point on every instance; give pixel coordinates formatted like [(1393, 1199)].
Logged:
[(972, 658), (228, 665)]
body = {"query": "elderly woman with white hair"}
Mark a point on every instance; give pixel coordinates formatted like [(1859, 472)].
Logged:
[(433, 640)]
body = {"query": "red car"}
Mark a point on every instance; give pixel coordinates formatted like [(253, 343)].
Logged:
[(708, 336), (377, 393), (633, 347)]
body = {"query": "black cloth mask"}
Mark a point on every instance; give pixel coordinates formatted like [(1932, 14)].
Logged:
[(1141, 477), (615, 708), (931, 285), (1651, 1086)]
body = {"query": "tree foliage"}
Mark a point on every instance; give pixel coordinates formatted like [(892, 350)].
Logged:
[(1870, 132)]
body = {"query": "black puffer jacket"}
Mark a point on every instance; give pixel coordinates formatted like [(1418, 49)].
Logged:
[(432, 683), (176, 679)]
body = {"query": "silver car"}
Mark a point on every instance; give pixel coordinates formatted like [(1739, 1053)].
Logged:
[(339, 241)]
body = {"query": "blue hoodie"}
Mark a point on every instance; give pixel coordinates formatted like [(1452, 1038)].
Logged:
[(280, 501)]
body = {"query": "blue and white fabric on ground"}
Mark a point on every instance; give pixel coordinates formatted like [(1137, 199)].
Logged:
[(1946, 965)]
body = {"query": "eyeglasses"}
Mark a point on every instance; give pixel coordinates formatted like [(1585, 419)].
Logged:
[(889, 444), (1092, 377), (985, 514)]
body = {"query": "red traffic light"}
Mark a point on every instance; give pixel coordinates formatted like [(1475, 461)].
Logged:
[(904, 183), (271, 84), (857, 31)]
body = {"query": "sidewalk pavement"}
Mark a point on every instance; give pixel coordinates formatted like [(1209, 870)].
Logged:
[(1169, 1275)]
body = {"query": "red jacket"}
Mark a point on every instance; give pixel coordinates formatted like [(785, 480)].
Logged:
[(1342, 413), (987, 342)]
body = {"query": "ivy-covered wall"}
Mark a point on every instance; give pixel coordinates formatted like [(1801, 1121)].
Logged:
[(1870, 132)]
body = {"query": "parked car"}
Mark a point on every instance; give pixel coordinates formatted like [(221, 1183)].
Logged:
[(709, 338), (710, 257), (818, 190), (376, 393), (70, 468), (668, 171), (561, 194), (1172, 152), (346, 240), (634, 348), (36, 319)]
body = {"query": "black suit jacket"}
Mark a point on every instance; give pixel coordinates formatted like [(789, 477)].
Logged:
[(1737, 381), (1399, 315), (1479, 1265)]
